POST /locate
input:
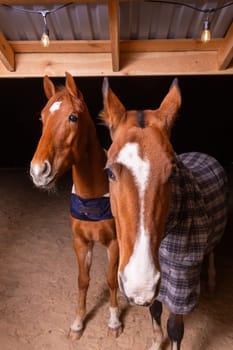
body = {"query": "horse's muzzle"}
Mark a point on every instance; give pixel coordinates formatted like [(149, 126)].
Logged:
[(41, 174), (134, 300)]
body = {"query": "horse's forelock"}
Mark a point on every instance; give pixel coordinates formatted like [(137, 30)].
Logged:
[(78, 104), (77, 101)]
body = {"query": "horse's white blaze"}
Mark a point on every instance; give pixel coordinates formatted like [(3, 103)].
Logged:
[(129, 157), (55, 106), (139, 277)]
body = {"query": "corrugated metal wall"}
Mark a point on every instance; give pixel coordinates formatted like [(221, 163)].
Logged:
[(138, 20)]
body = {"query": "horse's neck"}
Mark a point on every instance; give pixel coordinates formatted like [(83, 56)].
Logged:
[(89, 177)]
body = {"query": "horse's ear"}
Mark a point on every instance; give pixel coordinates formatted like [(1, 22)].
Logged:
[(49, 87), (170, 105), (113, 108), (71, 85)]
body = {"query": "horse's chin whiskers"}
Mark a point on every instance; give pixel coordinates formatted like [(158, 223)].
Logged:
[(50, 189)]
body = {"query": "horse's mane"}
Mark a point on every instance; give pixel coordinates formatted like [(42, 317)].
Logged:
[(60, 88), (100, 118)]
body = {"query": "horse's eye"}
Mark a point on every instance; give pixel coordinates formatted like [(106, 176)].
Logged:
[(110, 174), (73, 118)]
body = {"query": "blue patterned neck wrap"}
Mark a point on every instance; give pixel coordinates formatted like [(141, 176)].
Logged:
[(93, 209)]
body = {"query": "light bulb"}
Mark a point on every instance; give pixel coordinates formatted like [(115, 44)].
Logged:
[(206, 35), (45, 36), (45, 39)]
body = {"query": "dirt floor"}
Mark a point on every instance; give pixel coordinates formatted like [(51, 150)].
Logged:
[(38, 287)]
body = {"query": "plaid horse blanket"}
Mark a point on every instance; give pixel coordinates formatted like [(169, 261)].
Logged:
[(195, 224)]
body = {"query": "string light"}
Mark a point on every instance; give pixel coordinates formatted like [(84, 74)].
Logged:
[(45, 35), (205, 35)]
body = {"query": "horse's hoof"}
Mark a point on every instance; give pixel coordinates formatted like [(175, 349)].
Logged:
[(115, 332), (75, 335)]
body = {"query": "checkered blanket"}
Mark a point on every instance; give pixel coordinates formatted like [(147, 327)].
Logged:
[(195, 224)]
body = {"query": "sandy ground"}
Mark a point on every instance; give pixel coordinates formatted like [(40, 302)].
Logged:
[(38, 289)]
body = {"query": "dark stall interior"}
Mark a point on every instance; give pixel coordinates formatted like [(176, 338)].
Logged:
[(204, 123), (38, 272)]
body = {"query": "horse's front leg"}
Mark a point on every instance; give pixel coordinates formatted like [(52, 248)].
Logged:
[(156, 312), (114, 324), (175, 330), (83, 252)]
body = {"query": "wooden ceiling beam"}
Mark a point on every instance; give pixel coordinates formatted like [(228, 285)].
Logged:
[(100, 64), (88, 46), (113, 15), (62, 46), (7, 56), (168, 45), (118, 50), (225, 53)]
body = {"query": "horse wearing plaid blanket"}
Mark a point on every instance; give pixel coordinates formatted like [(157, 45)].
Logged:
[(170, 211)]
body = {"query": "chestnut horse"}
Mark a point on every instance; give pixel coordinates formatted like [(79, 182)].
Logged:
[(69, 140), (170, 211)]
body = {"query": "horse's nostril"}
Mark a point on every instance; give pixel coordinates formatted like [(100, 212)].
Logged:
[(40, 170), (130, 300), (46, 169)]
